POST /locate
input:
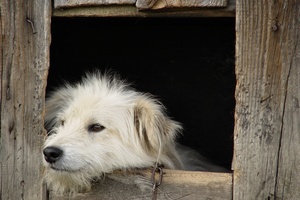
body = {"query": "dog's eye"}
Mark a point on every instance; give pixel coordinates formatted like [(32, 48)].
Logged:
[(95, 128), (62, 122)]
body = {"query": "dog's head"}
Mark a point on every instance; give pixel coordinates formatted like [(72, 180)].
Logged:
[(101, 125)]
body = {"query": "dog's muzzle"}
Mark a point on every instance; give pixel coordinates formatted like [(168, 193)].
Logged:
[(52, 154)]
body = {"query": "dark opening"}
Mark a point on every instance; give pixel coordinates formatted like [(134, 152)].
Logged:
[(187, 62)]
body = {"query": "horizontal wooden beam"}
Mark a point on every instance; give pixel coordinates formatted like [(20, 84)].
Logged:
[(131, 11), (176, 184)]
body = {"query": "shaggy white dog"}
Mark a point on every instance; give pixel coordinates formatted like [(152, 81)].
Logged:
[(101, 125)]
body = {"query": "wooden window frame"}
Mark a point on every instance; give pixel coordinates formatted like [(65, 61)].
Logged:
[(266, 135)]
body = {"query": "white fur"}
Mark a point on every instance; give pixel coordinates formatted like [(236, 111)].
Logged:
[(137, 132)]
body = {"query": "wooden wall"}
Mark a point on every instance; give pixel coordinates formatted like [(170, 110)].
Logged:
[(267, 112), (24, 63), (267, 118)]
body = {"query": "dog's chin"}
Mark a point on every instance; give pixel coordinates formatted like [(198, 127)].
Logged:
[(55, 168), (68, 181)]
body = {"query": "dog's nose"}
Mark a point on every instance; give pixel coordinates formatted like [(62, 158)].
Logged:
[(52, 154)]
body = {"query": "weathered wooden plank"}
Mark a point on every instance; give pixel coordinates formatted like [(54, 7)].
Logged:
[(78, 3), (159, 4), (141, 4), (131, 11), (288, 175), (25, 28), (267, 92), (176, 185)]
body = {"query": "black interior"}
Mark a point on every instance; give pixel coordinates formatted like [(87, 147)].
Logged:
[(187, 62)]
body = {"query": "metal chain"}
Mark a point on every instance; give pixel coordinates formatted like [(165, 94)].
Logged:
[(158, 169)]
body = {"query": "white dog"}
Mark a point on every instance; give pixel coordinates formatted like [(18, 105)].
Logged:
[(101, 125)]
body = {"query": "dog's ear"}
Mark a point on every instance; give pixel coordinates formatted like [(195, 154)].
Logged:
[(55, 103), (154, 128)]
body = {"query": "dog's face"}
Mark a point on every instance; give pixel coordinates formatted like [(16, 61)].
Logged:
[(91, 133), (100, 126)]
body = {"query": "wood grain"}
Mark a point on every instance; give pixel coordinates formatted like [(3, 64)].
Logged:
[(267, 100), (159, 4), (141, 4), (176, 185), (131, 11), (78, 3), (25, 28)]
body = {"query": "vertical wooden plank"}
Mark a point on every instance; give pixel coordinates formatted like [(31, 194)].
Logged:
[(267, 93), (25, 28), (288, 178), (1, 68)]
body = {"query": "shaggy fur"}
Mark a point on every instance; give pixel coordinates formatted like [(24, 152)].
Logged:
[(100, 125)]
